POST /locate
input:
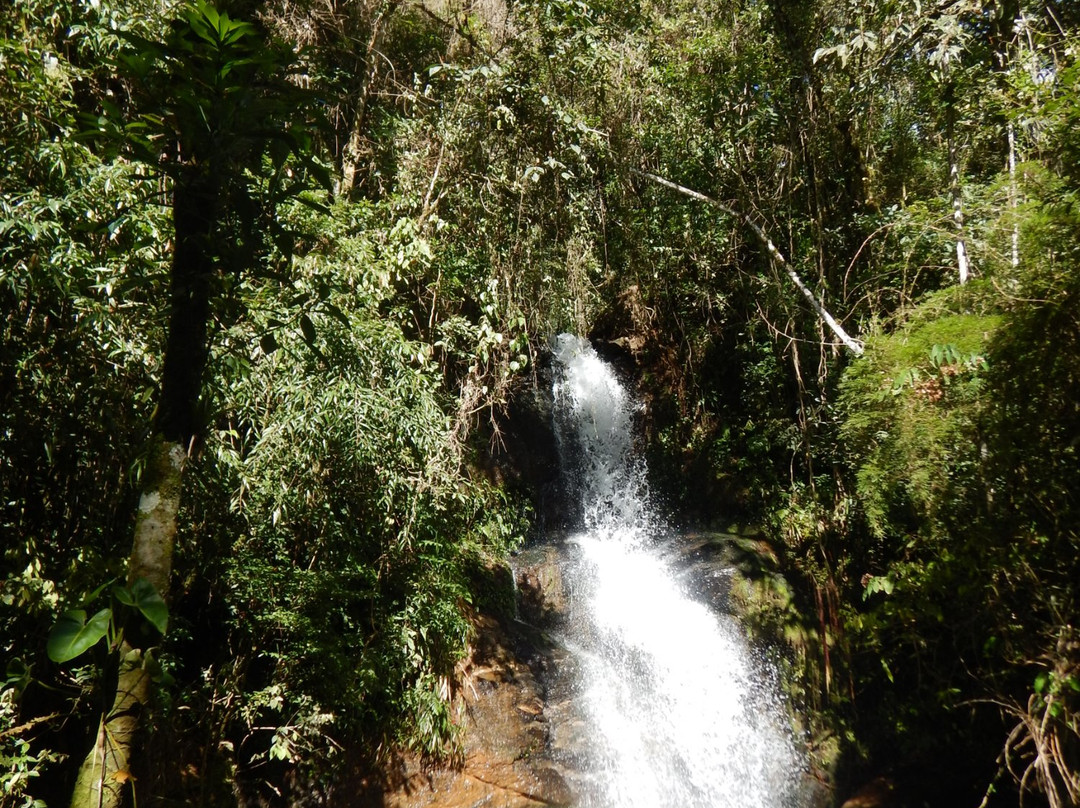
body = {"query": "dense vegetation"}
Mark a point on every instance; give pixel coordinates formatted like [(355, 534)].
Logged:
[(318, 246)]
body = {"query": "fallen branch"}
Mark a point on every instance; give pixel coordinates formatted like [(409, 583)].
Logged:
[(777, 257)]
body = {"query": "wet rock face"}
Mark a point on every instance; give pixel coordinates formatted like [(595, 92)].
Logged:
[(524, 451), (542, 599), (526, 743), (878, 793), (508, 734)]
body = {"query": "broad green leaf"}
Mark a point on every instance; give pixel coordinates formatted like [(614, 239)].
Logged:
[(73, 634), (149, 601), (124, 595)]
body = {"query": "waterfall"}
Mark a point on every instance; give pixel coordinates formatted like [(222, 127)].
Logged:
[(681, 711)]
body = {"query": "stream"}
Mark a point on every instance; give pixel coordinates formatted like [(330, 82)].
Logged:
[(681, 710)]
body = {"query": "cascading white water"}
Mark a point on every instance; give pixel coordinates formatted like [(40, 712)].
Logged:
[(682, 713)]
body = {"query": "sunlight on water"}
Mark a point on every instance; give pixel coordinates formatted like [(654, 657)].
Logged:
[(684, 714)]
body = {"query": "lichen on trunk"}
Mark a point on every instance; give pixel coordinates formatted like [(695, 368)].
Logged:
[(155, 522)]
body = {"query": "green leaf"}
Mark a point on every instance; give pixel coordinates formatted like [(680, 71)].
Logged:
[(94, 595), (17, 674), (308, 329), (1041, 681), (888, 671), (124, 595), (338, 314), (149, 601), (157, 673), (143, 597), (878, 583), (73, 634)]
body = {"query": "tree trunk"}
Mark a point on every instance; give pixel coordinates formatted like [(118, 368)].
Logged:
[(195, 203), (352, 157), (963, 265), (106, 769), (155, 523)]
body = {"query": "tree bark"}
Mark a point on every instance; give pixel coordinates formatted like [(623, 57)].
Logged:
[(106, 769), (195, 204), (155, 523), (775, 255)]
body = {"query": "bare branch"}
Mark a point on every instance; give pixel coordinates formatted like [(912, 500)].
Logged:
[(775, 255)]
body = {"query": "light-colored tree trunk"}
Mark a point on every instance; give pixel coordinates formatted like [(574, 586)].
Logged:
[(1013, 197), (105, 772), (963, 265), (106, 769), (155, 523), (775, 255)]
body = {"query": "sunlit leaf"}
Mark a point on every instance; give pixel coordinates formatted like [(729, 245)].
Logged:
[(149, 601), (73, 634), (1041, 681)]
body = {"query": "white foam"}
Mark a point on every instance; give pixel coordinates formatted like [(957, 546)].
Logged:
[(683, 713)]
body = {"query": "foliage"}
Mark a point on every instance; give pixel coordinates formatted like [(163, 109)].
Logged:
[(912, 408), (330, 521), (966, 565), (84, 250), (79, 250), (74, 633), (355, 435), (337, 531)]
